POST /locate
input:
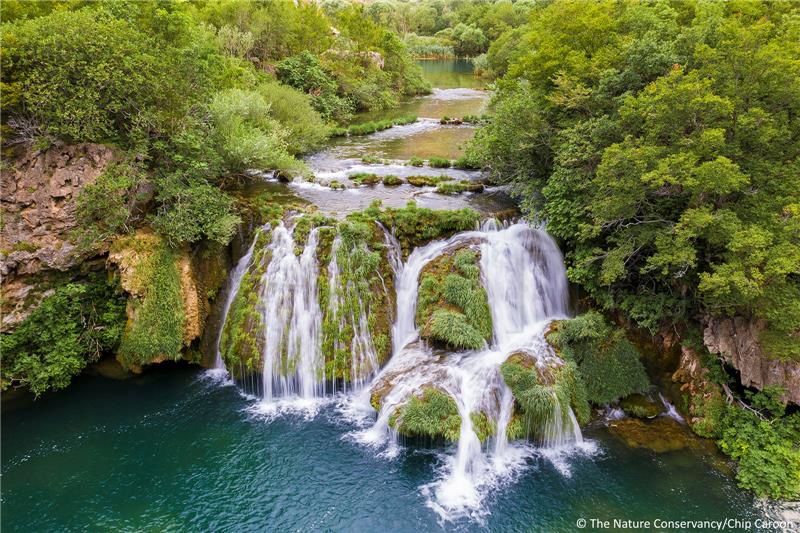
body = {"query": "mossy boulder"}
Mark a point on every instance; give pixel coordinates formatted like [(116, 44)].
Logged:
[(365, 178), (390, 180), (431, 414), (457, 187), (452, 307), (162, 289), (427, 181), (609, 363), (415, 226), (542, 389), (640, 406)]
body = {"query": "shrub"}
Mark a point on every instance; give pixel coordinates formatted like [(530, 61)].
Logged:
[(247, 136), (608, 363), (190, 213), (102, 208), (305, 127), (69, 329)]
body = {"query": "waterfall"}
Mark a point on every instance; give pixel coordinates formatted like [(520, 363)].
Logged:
[(234, 282), (292, 354), (523, 274)]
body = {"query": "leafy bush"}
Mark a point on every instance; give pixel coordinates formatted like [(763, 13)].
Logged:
[(191, 213), (72, 327), (608, 363), (305, 127), (84, 75), (103, 208), (765, 445), (439, 162), (305, 72), (247, 136)]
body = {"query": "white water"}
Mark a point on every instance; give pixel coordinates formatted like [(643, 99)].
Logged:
[(523, 274), (234, 283), (525, 281)]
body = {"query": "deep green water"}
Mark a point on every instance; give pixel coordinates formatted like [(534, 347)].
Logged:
[(176, 451)]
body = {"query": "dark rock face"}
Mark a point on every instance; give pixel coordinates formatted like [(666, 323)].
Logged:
[(736, 340), (37, 197)]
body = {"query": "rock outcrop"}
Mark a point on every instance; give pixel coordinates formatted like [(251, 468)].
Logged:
[(38, 196), (736, 340)]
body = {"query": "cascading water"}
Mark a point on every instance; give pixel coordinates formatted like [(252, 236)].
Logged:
[(235, 281), (292, 359), (522, 273), (525, 282)]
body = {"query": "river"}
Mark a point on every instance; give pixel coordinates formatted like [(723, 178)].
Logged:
[(183, 449)]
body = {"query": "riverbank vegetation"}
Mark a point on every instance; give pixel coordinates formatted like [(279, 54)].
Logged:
[(434, 29), (191, 96), (660, 142)]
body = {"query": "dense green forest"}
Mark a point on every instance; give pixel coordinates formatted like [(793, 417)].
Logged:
[(660, 143), (192, 95)]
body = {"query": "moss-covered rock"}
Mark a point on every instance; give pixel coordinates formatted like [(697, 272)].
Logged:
[(426, 181), (432, 414), (161, 288), (365, 178), (452, 307), (640, 406), (542, 390), (390, 180), (457, 187), (608, 362)]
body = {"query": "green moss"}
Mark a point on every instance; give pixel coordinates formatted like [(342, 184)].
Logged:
[(365, 178), (365, 285), (457, 187), (416, 161), (434, 414), (391, 180), (439, 162), (156, 330), (608, 362), (240, 342), (452, 306), (482, 426), (336, 185)]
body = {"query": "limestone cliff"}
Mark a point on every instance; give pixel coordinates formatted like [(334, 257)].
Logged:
[(37, 253), (736, 340), (39, 191)]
